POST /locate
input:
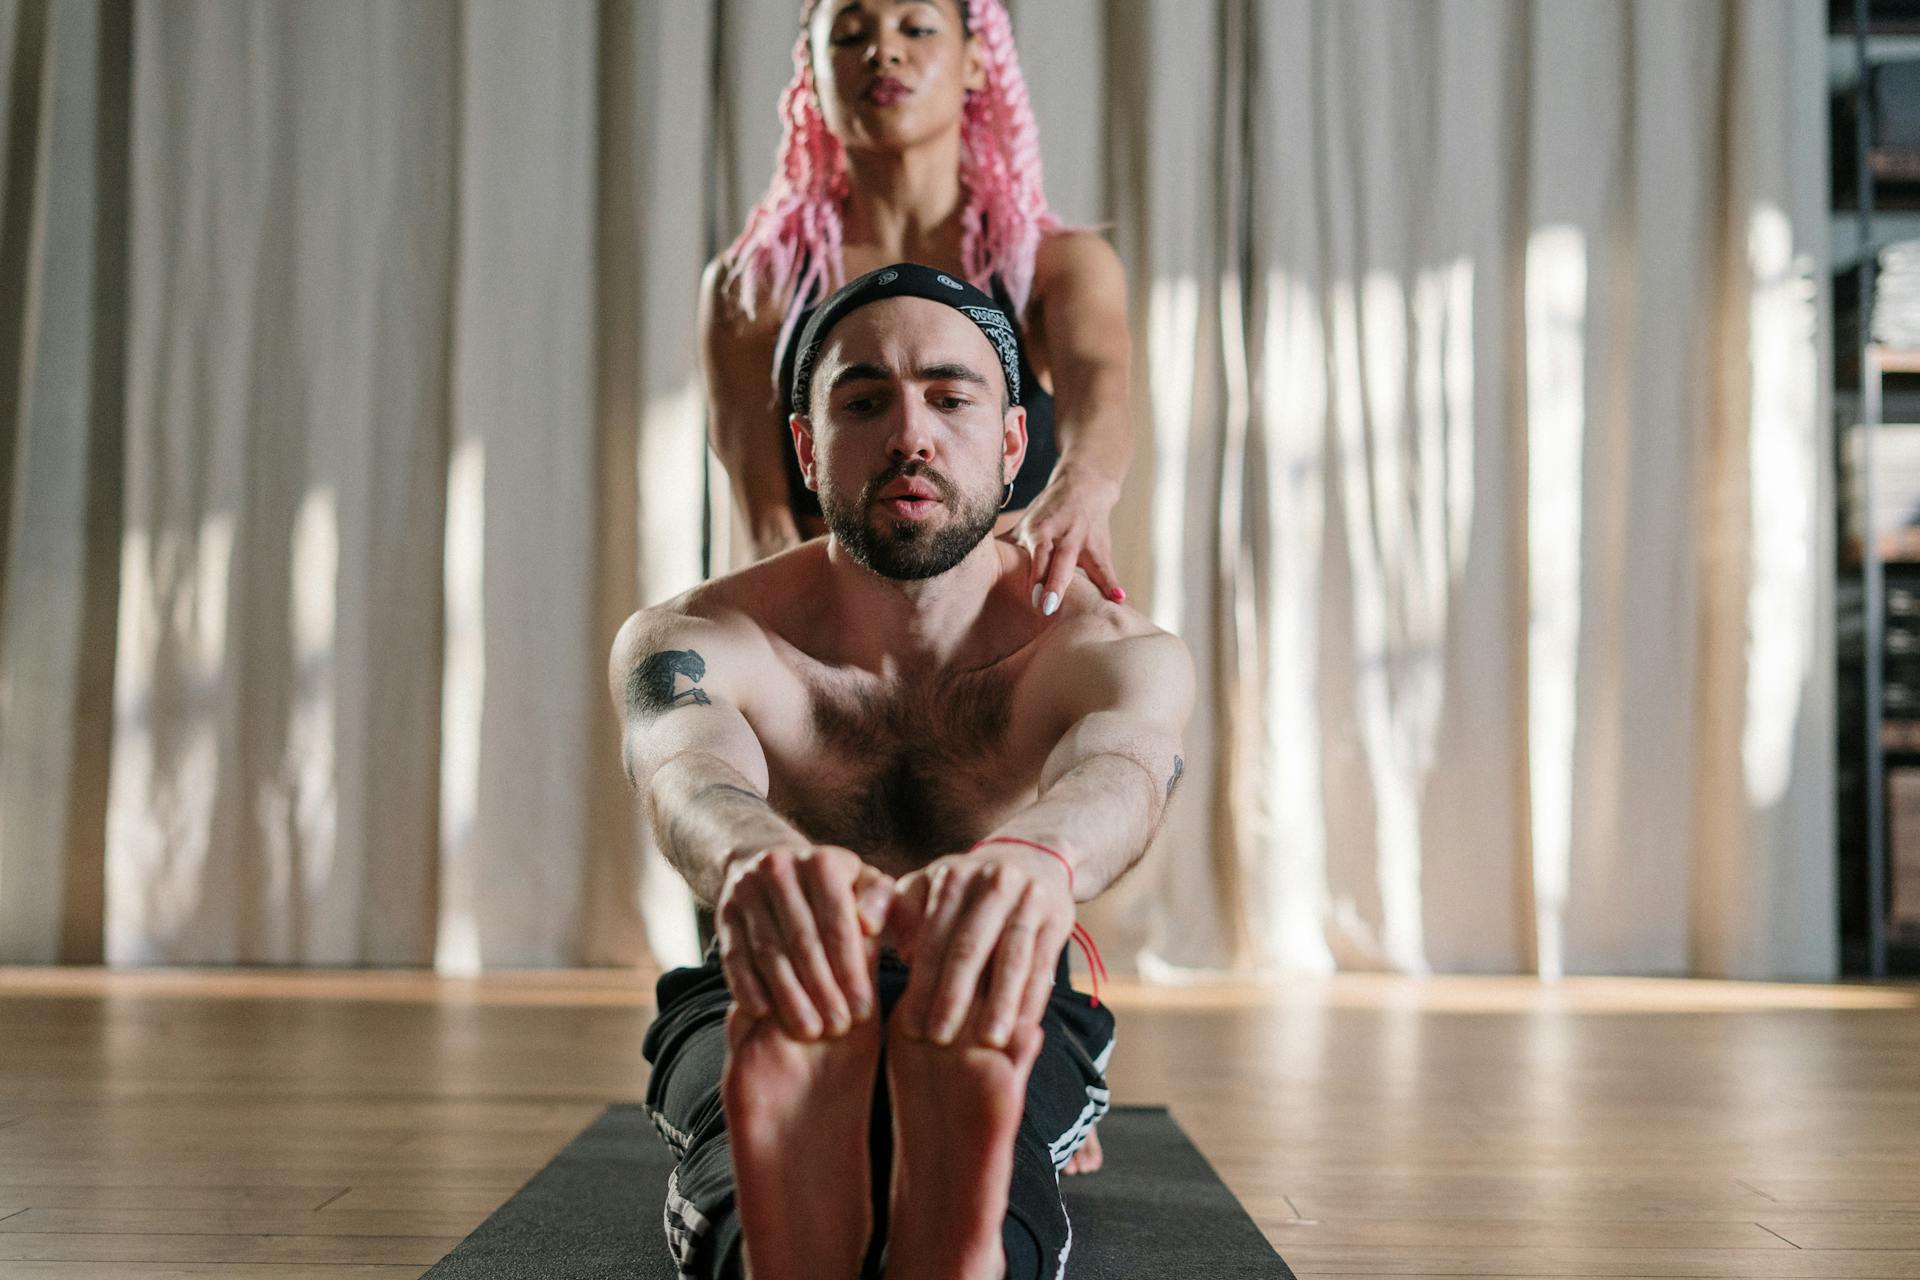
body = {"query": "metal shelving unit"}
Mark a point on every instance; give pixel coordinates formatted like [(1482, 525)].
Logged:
[(1876, 362)]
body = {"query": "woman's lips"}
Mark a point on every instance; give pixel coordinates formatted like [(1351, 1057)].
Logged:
[(885, 91)]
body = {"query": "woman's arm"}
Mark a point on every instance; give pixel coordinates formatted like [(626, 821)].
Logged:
[(747, 419), (1081, 289)]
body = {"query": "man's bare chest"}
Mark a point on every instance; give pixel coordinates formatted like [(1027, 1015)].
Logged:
[(902, 773)]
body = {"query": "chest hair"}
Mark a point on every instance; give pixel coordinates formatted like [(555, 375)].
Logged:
[(906, 772)]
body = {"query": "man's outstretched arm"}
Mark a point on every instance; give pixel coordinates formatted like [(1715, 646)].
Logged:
[(1106, 786), (690, 754), (792, 918), (1002, 912)]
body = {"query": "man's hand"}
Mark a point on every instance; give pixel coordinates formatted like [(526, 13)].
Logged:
[(986, 927), (796, 928)]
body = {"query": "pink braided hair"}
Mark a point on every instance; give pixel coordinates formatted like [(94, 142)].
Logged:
[(794, 235)]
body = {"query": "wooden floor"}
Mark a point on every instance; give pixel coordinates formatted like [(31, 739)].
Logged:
[(282, 1125)]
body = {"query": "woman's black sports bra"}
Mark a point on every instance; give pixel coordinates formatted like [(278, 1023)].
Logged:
[(1042, 451)]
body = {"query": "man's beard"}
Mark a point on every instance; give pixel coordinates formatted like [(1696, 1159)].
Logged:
[(909, 549)]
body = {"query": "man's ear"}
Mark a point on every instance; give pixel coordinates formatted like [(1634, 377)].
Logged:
[(802, 428), (1013, 437)]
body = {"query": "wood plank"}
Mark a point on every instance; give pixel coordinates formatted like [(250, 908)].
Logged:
[(1808, 1233), (160, 1196), (104, 1172), (1618, 1207), (211, 1271), (1290, 1235), (1788, 1191), (480, 1200), (25, 1246), (1711, 1264), (230, 1221)]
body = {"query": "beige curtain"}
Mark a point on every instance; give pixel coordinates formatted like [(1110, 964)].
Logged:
[(348, 403)]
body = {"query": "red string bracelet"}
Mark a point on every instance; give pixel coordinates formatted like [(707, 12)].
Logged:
[(1031, 844), (1096, 967)]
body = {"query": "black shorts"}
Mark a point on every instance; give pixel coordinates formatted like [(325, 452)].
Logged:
[(1066, 1094)]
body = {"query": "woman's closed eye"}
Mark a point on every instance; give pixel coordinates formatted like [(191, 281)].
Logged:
[(856, 33)]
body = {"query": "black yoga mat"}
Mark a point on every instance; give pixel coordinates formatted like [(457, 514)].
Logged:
[(1156, 1209)]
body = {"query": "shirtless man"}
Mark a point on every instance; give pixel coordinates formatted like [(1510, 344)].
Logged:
[(892, 780)]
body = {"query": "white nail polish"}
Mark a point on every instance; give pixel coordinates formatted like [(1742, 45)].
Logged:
[(1053, 603), (1036, 595)]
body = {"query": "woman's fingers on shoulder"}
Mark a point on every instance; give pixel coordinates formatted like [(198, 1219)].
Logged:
[(1098, 566)]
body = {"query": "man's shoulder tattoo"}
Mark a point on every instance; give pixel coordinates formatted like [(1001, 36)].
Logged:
[(651, 689), (1179, 768)]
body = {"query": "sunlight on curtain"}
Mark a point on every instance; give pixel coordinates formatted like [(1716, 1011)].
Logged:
[(173, 617), (300, 814), (1444, 303), (1285, 862), (1402, 398), (670, 509), (1785, 469), (457, 950), (672, 442), (1556, 308), (1173, 316)]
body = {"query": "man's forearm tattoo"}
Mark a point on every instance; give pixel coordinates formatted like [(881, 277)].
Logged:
[(1179, 767), (650, 689)]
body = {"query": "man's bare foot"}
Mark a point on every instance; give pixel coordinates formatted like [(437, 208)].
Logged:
[(1088, 1157), (798, 1115), (955, 1111)]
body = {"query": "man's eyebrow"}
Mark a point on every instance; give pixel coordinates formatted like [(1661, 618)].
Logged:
[(952, 371), (863, 372)]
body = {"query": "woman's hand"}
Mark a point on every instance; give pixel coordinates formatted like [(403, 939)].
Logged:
[(1069, 526)]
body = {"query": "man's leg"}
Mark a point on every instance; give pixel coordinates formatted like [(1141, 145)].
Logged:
[(687, 1046), (798, 1116), (975, 1192), (772, 1135)]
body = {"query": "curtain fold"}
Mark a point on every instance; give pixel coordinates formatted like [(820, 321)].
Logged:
[(348, 403)]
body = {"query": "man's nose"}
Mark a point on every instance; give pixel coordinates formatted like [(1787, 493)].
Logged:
[(911, 434)]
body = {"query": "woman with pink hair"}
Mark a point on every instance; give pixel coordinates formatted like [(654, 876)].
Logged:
[(907, 137)]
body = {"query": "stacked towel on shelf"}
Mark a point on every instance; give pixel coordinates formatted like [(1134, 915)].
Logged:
[(1896, 489), (1896, 295)]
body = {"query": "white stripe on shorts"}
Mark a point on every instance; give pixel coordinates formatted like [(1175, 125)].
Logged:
[(683, 1235), (1063, 1147), (680, 1142)]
